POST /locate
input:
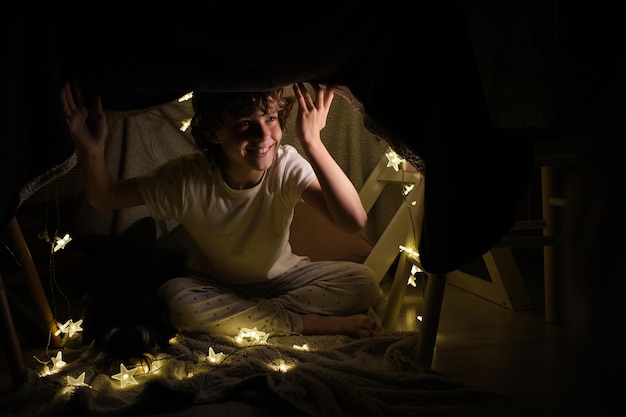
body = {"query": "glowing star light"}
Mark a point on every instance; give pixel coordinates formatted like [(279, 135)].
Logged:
[(74, 327), (62, 328), (57, 362), (281, 366), (407, 189), (69, 327), (215, 358), (394, 160), (184, 125), (61, 242), (126, 376), (251, 336), (45, 371), (411, 281), (414, 270), (76, 382), (185, 97), (413, 256)]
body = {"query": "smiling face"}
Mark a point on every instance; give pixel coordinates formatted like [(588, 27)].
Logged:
[(249, 145), (240, 131)]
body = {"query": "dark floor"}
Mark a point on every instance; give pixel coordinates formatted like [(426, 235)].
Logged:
[(480, 342)]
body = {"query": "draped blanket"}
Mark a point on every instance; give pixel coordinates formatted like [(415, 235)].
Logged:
[(433, 111), (337, 376), (461, 86)]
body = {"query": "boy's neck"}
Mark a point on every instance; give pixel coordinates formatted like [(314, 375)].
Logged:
[(243, 182)]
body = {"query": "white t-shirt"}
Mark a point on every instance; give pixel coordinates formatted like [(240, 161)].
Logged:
[(240, 236)]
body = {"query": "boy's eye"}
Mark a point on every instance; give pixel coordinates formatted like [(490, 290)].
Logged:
[(242, 124)]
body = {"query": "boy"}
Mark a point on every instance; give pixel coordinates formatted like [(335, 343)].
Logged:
[(236, 200)]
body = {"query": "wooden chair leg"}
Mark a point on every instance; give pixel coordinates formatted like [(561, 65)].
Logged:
[(9, 336), (30, 274), (433, 300)]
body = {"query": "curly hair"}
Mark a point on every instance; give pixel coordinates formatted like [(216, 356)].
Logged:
[(211, 107)]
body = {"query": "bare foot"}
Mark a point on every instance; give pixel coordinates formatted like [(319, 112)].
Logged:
[(358, 325)]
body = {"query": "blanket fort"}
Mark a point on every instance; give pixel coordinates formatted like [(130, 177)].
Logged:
[(433, 112)]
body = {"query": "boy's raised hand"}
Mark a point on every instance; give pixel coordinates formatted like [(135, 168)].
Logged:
[(312, 114), (87, 126)]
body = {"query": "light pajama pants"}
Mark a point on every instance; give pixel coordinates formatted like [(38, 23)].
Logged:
[(274, 306)]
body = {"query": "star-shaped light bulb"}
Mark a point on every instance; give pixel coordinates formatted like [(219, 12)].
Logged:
[(184, 125), (76, 382), (394, 160), (281, 366), (411, 281), (185, 97), (57, 362), (62, 328), (215, 358), (45, 371), (126, 376), (61, 242), (413, 256), (74, 327), (252, 336)]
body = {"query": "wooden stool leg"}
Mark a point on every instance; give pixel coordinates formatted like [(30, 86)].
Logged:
[(32, 279), (433, 300), (396, 294), (551, 284), (9, 336)]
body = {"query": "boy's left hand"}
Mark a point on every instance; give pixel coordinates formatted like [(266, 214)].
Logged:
[(312, 114)]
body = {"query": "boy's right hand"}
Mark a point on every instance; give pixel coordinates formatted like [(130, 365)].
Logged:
[(88, 126)]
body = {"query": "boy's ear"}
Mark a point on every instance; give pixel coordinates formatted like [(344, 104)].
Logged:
[(212, 137)]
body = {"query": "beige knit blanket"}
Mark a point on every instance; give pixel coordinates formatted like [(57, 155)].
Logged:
[(337, 376)]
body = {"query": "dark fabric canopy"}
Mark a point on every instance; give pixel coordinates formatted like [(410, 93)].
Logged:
[(413, 75)]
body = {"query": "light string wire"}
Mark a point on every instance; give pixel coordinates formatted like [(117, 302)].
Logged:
[(200, 362), (412, 220), (53, 282)]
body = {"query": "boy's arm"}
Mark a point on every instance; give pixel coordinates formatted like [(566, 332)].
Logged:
[(103, 191), (333, 194), (89, 131)]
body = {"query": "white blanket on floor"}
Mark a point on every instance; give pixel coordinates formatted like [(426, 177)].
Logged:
[(338, 376)]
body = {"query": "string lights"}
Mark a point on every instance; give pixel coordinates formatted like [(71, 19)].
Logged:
[(56, 244), (184, 124), (69, 327), (247, 338), (398, 164), (127, 374)]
